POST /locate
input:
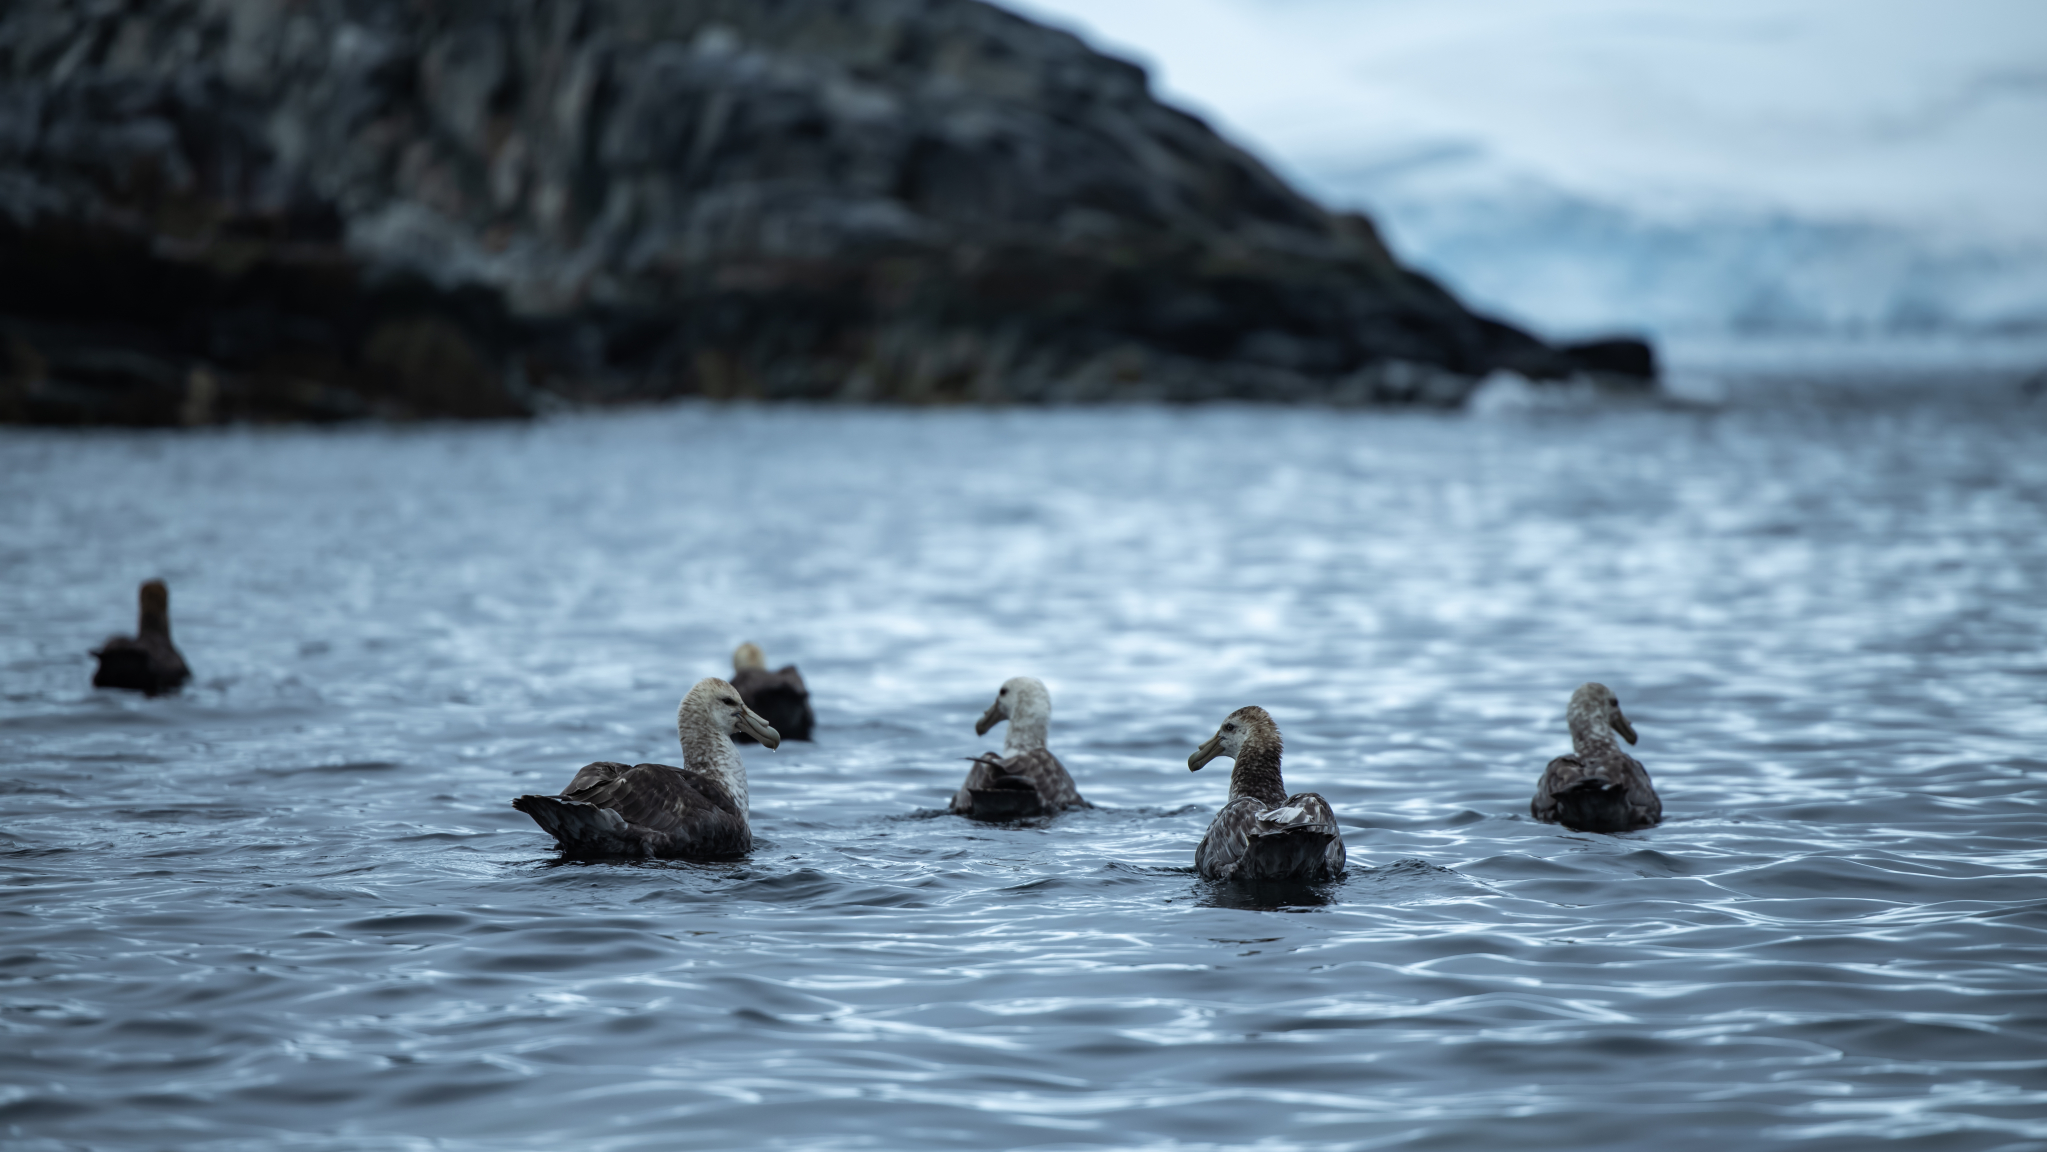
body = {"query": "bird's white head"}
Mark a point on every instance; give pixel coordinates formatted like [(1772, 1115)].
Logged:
[(713, 709), (705, 722), (1024, 702)]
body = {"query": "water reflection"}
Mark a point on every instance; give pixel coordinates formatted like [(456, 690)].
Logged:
[(1266, 895)]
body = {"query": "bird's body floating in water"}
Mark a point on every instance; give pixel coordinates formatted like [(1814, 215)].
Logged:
[(1263, 833), (1025, 779), (780, 698), (146, 662), (1598, 787), (695, 812)]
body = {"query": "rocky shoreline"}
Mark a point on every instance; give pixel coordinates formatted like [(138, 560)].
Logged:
[(324, 210)]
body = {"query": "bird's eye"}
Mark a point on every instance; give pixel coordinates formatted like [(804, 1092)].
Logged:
[(1612, 702), (1229, 727), (731, 701), (1002, 692)]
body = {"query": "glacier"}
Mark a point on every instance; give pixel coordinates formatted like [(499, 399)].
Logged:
[(1756, 171)]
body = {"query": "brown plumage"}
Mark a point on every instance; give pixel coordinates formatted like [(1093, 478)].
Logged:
[(780, 697), (146, 662), (1032, 783), (614, 809), (1598, 787), (695, 812), (1025, 779), (1262, 833)]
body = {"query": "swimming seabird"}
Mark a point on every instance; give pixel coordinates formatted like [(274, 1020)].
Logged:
[(1263, 833), (778, 697), (1598, 788), (147, 661), (695, 812), (1025, 779)]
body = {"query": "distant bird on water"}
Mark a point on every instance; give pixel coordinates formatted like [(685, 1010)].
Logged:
[(779, 697), (1598, 788), (1026, 779), (1263, 833), (146, 662), (695, 812)]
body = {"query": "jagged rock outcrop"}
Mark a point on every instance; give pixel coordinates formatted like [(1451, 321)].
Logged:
[(216, 209)]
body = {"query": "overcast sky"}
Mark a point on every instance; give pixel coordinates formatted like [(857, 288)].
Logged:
[(1929, 114)]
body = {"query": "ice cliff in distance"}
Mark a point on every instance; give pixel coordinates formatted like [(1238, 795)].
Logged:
[(1566, 261), (1749, 168)]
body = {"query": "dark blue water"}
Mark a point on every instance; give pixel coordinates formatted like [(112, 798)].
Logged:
[(293, 907)]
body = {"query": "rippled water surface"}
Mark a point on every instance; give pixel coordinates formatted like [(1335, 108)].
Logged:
[(293, 906)]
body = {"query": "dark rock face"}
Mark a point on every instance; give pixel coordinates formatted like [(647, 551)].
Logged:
[(323, 208)]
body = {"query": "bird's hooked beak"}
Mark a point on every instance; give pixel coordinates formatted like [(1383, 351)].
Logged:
[(758, 728), (990, 718), (1621, 725), (1206, 752)]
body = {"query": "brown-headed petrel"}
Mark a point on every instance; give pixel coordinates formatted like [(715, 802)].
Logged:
[(695, 812), (1025, 779), (147, 661), (1598, 788), (778, 697), (1263, 833)]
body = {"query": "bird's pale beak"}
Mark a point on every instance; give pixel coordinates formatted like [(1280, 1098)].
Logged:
[(989, 719), (758, 728), (1621, 725), (1205, 753)]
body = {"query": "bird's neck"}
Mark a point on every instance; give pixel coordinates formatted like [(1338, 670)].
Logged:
[(154, 623), (1589, 730), (712, 752), (1256, 773), (1027, 727)]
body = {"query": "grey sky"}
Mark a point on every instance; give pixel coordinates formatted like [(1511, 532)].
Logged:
[(1922, 114)]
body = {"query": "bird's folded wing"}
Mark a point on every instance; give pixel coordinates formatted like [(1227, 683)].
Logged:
[(1567, 772), (987, 769), (591, 775), (663, 798), (1560, 774), (1309, 808), (167, 659), (1229, 834), (1055, 785), (1317, 814), (1643, 803)]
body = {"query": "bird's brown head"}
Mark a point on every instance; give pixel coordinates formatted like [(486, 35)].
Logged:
[(155, 617), (1597, 704), (1247, 725)]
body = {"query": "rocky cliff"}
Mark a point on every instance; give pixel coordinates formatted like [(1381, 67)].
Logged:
[(226, 209)]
